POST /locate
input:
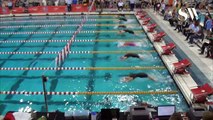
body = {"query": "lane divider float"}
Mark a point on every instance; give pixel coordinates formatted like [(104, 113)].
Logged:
[(86, 40), (80, 52), (89, 93), (64, 25), (67, 32), (84, 68)]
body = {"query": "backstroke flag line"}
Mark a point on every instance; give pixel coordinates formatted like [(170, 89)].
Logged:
[(66, 49)]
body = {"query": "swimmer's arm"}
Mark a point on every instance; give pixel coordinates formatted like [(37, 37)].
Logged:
[(126, 79), (152, 78)]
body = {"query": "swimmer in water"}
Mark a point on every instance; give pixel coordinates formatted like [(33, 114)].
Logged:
[(126, 31), (134, 55), (123, 44), (140, 75), (121, 17)]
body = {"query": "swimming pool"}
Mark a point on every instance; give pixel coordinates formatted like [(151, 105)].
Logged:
[(96, 46)]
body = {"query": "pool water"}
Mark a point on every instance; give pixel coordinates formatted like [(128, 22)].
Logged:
[(25, 34)]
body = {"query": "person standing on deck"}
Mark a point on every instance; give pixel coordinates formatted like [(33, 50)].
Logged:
[(132, 4), (69, 5)]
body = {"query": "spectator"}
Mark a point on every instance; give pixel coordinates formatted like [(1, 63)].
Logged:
[(44, 2), (188, 31), (120, 5), (173, 19), (168, 14), (25, 6), (157, 6), (10, 6), (208, 25), (196, 35), (179, 24), (185, 24), (189, 28), (207, 47), (163, 7), (69, 5), (107, 3), (132, 4), (56, 2)]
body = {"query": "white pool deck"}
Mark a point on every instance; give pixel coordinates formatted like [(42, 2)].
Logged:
[(185, 82), (203, 63)]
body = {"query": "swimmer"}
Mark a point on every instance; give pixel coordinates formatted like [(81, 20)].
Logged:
[(126, 31), (134, 55), (121, 18), (122, 26), (123, 44), (133, 76)]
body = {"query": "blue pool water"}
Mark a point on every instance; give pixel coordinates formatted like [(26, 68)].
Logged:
[(13, 33)]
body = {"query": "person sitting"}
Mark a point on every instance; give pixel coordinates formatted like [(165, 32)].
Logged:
[(208, 47), (134, 55), (189, 29), (179, 24), (133, 76), (194, 29), (196, 35)]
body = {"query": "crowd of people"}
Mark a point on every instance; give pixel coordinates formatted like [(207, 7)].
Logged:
[(30, 3), (192, 29)]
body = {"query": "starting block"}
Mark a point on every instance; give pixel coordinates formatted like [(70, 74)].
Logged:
[(158, 36), (180, 67), (142, 15), (201, 93), (145, 21), (140, 12), (150, 28), (167, 49)]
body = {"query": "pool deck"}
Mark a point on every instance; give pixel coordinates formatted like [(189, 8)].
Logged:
[(201, 63)]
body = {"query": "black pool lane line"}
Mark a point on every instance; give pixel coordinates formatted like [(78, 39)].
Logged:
[(92, 73), (16, 85), (5, 39), (18, 82)]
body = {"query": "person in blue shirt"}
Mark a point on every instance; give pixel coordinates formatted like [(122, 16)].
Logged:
[(208, 25)]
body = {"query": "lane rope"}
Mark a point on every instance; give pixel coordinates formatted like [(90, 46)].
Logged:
[(67, 32), (58, 20), (64, 25), (88, 93), (67, 16), (79, 52), (86, 40), (83, 68)]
